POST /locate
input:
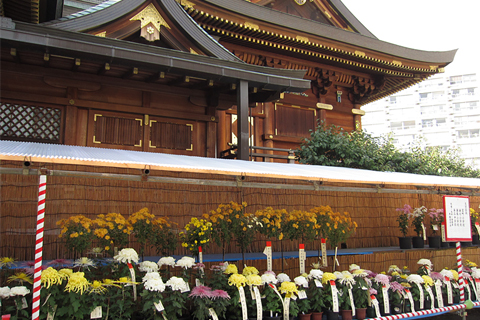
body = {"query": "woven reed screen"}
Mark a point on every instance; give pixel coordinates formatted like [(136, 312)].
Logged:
[(374, 212)]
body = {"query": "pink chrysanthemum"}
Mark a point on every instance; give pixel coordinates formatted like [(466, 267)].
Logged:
[(219, 294), (436, 276), (201, 292), (215, 268), (372, 291), (370, 274), (28, 264), (382, 279), (60, 263), (467, 276), (199, 265), (270, 272), (395, 286)]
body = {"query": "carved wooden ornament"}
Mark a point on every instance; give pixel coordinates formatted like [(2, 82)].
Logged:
[(151, 21)]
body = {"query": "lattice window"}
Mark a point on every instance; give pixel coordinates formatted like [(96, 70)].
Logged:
[(171, 135), (118, 131), (31, 123)]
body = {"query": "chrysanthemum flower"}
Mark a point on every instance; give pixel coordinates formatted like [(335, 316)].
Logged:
[(77, 283), (394, 268), (231, 269), (447, 273), (406, 285), (415, 278), (84, 262), (154, 285), (254, 280), (65, 273), (50, 277), (476, 274), (382, 279), (97, 287), (4, 292), (289, 288), (176, 283), (185, 262), (219, 294), (428, 280), (6, 262), (425, 262), (327, 276), (201, 292), (151, 275), (353, 267), (166, 261), (20, 277), (301, 281), (455, 274), (127, 255), (19, 291), (395, 286), (347, 278), (249, 270), (360, 273), (315, 274), (372, 291), (148, 266), (282, 277), (237, 280), (269, 278)]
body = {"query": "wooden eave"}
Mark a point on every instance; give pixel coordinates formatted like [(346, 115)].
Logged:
[(42, 46)]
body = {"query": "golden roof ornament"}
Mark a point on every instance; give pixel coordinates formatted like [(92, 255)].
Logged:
[(151, 22)]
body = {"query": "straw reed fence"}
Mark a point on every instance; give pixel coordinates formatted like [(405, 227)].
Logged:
[(374, 212)]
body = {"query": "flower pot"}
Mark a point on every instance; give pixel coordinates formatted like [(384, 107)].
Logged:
[(304, 316), (382, 310), (475, 239), (418, 242), (466, 244), (346, 314), (416, 304), (405, 242), (317, 316), (396, 309), (361, 313), (445, 244), (427, 304), (332, 315), (456, 299), (434, 242), (371, 312), (272, 318)]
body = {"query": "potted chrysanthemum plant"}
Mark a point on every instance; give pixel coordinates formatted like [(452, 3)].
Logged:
[(303, 302), (315, 293), (347, 306), (436, 219), (271, 302), (381, 283), (360, 293), (175, 297), (332, 299), (418, 292), (395, 293), (207, 302), (402, 219), (418, 217)]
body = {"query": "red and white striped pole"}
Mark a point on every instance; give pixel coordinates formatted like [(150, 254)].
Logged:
[(460, 273), (39, 247)]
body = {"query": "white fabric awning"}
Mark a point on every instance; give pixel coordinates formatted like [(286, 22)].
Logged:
[(62, 154)]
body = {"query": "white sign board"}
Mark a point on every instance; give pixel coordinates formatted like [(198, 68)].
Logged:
[(457, 218)]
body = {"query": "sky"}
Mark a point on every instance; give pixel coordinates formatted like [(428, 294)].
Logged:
[(430, 25)]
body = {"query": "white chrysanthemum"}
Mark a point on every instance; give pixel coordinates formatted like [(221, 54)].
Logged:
[(177, 283), (154, 285), (185, 262), (282, 277), (19, 291), (338, 274), (360, 273), (84, 262), (151, 275), (347, 278), (4, 292), (166, 261), (476, 274), (394, 268), (127, 255), (301, 281), (148, 266), (415, 278), (269, 278), (353, 266), (315, 274), (447, 273), (425, 262)]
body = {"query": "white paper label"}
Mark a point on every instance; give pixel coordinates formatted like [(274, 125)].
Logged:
[(410, 298), (268, 253), (159, 306), (435, 227), (198, 283), (477, 285), (474, 289), (478, 228), (424, 233), (430, 293), (96, 313), (51, 315), (243, 302), (301, 260), (318, 283), (438, 292), (302, 294), (449, 291), (376, 306), (286, 308), (186, 288), (132, 274), (213, 314), (200, 257), (352, 303), (24, 303), (258, 300), (422, 296), (334, 297), (386, 301), (324, 254)]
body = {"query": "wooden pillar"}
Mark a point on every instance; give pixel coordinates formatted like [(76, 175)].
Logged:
[(242, 120), (268, 128), (71, 118), (357, 117)]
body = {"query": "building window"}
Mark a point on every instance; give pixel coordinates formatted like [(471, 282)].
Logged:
[(24, 122), (171, 135), (118, 131)]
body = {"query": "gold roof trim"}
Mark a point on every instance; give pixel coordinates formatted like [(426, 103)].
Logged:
[(151, 15)]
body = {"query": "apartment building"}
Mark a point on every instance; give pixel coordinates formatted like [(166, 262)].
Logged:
[(444, 109)]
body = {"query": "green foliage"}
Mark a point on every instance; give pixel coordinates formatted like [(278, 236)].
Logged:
[(332, 146), (360, 293), (174, 303), (294, 310), (271, 301), (315, 295), (402, 220)]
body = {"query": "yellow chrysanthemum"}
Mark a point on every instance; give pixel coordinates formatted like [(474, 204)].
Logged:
[(50, 277), (427, 280), (395, 273), (289, 288), (65, 273), (471, 264), (455, 274), (77, 283), (237, 280), (327, 276), (6, 262), (20, 277), (254, 280), (97, 287), (231, 269), (249, 270), (406, 285)]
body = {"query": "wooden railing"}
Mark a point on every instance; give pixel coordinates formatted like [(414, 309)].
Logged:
[(231, 153)]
